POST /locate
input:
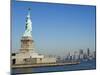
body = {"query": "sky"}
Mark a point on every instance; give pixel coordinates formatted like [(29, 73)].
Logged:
[(56, 28)]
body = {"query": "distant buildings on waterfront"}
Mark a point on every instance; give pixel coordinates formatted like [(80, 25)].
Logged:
[(79, 55)]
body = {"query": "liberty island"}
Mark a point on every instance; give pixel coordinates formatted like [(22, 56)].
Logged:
[(27, 54)]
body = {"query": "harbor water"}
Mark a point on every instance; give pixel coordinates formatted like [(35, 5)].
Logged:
[(84, 65)]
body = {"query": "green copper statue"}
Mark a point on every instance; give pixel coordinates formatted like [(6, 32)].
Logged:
[(28, 27)]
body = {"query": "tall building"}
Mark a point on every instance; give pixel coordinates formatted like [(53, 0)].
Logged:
[(75, 55), (81, 54), (27, 53), (81, 51), (88, 52)]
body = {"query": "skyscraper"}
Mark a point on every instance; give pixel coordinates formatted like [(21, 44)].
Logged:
[(88, 52)]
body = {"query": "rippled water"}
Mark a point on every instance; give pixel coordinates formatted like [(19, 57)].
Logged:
[(82, 66)]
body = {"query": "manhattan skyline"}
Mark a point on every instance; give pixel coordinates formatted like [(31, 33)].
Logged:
[(56, 28)]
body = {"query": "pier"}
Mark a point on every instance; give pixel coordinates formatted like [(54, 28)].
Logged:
[(43, 65)]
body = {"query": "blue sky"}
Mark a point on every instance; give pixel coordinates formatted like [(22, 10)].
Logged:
[(57, 28)]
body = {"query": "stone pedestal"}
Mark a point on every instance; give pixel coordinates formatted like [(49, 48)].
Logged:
[(27, 44)]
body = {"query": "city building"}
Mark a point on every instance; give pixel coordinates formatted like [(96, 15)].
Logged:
[(88, 52), (81, 54)]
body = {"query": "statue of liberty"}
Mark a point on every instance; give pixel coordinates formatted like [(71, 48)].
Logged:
[(28, 27)]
